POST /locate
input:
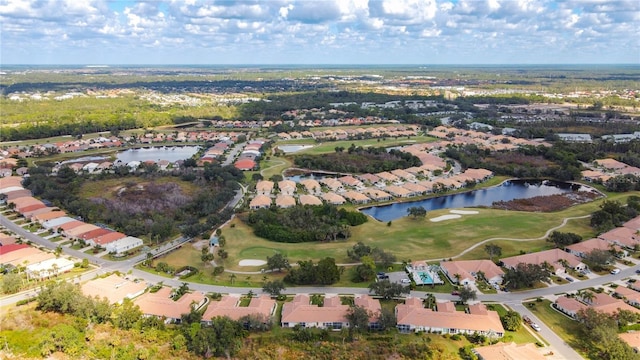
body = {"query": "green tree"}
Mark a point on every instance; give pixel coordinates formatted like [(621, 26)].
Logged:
[(11, 283), (598, 259), (278, 261), (365, 271), (467, 293), (388, 290), (417, 211), (562, 240), (358, 250), (274, 288), (223, 254), (358, 318), (387, 319), (493, 250), (327, 271), (126, 315), (62, 338), (511, 321)]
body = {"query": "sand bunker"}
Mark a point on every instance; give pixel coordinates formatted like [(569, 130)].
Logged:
[(464, 212), (251, 262), (445, 217)]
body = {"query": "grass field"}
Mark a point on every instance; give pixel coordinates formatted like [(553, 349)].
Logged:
[(560, 324), (106, 188), (522, 335), (329, 146)]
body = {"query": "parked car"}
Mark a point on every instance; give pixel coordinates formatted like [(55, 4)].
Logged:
[(638, 271), (455, 292), (615, 271), (569, 279), (526, 319), (535, 326), (405, 281)]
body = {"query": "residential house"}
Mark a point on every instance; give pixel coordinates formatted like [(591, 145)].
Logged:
[(468, 271), (399, 191), (333, 198), (402, 174), (287, 187), (333, 184), (415, 189), (309, 200), (508, 351), (161, 305), (598, 301), (633, 224), (569, 306), (332, 315), (632, 338), (356, 197), (262, 307), (631, 296), (264, 187), (114, 288), (583, 248), (260, 202), (312, 186), (49, 267), (376, 194), (555, 258), (285, 201), (413, 316), (349, 180), (123, 244), (369, 178), (622, 236)]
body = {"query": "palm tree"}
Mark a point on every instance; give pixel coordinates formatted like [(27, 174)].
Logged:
[(480, 275), (232, 278), (457, 277), (587, 296)]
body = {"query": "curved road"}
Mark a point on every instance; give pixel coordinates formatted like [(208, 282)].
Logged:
[(513, 300)]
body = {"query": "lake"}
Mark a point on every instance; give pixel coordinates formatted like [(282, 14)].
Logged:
[(172, 154), (508, 190)]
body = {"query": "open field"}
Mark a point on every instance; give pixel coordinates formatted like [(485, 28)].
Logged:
[(106, 188), (418, 239), (329, 146)]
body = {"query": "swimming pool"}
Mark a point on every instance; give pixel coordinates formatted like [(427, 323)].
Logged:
[(425, 277)]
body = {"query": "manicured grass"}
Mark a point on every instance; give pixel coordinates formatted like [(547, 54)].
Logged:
[(562, 325), (521, 336), (330, 146)]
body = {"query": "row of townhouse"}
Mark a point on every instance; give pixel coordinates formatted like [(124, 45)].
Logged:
[(605, 169), (352, 133), (37, 264), (619, 241), (354, 190), (572, 305), (57, 221), (250, 155)]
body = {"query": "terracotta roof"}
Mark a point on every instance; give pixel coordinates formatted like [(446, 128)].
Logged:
[(17, 194), (355, 196), (92, 234), (160, 304), (108, 238), (264, 186), (587, 246), (333, 198), (300, 310), (260, 201), (509, 351), (631, 338), (623, 236), (309, 200), (552, 257), (416, 315), (5, 249), (633, 224), (467, 269), (629, 294), (10, 181), (113, 287), (285, 201), (245, 164), (570, 304), (310, 184), (49, 215), (81, 229), (229, 306), (29, 254)]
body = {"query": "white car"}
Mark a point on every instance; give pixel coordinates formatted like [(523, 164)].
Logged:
[(535, 326), (615, 271)]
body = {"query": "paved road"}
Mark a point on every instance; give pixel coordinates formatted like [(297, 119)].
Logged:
[(559, 346)]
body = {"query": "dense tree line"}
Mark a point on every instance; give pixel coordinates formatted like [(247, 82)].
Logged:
[(325, 272), (302, 223), (598, 333), (158, 210), (623, 183), (526, 162), (613, 214), (526, 275), (360, 160)]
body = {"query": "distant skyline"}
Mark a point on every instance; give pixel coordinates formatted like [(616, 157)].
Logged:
[(320, 32)]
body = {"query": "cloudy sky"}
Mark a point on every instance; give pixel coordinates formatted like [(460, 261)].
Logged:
[(319, 31)]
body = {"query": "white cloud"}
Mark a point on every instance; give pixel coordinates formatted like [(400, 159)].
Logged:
[(300, 30)]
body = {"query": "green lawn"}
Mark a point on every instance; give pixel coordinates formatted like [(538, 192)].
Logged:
[(329, 146), (565, 327), (521, 336)]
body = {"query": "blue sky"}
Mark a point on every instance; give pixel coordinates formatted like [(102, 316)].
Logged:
[(319, 32)]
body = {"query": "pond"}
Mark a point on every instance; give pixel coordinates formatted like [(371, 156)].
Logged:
[(172, 153), (508, 190)]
